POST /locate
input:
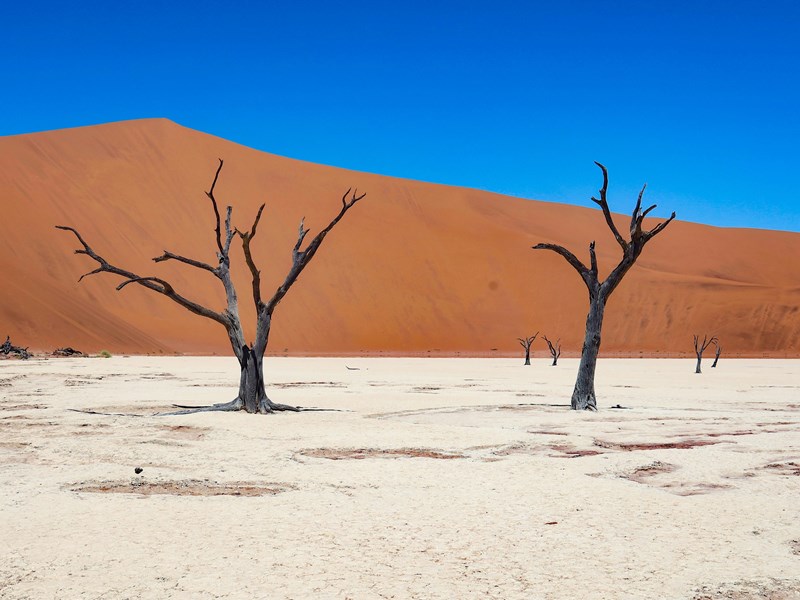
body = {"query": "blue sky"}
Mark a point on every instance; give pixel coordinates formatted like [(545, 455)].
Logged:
[(698, 99)]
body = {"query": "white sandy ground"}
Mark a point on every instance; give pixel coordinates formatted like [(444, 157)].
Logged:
[(524, 514)]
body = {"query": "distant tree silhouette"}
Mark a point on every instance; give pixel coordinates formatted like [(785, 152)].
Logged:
[(583, 396), (716, 354), (700, 347), (252, 396), (555, 349), (526, 344)]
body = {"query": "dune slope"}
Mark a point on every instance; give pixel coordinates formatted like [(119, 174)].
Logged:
[(415, 267)]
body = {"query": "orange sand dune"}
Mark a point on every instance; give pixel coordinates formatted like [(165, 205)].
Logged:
[(415, 267)]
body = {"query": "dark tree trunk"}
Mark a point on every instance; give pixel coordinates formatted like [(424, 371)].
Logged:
[(527, 357), (697, 367), (716, 356), (583, 396)]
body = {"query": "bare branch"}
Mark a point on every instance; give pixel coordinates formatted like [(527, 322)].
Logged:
[(645, 213), (659, 228), (300, 258), (636, 217), (166, 288), (189, 261), (301, 235), (700, 347), (593, 259), (588, 278), (210, 194), (603, 203), (247, 237), (152, 283)]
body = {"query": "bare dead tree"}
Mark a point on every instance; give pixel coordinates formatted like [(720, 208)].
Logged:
[(700, 347), (583, 396), (67, 352), (555, 349), (252, 396), (526, 344), (7, 348), (716, 353)]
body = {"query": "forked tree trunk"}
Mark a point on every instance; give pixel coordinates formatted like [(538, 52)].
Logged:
[(699, 360), (583, 397)]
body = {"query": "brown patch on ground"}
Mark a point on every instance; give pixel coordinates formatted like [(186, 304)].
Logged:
[(784, 468), (770, 589), (645, 472), (569, 451), (679, 445), (721, 433), (185, 487), (185, 432), (362, 453), (547, 432)]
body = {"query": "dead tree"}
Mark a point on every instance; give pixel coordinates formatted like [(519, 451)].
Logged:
[(583, 396), (555, 349), (8, 348), (700, 347), (716, 353), (67, 352), (526, 343), (252, 396)]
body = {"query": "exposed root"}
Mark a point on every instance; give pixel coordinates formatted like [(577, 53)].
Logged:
[(108, 414), (232, 406)]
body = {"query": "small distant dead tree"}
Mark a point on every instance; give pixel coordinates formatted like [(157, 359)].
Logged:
[(526, 344), (8, 348), (555, 349), (583, 396), (700, 347), (716, 353), (252, 396), (67, 352)]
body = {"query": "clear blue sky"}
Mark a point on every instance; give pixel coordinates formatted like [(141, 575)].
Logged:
[(699, 99)]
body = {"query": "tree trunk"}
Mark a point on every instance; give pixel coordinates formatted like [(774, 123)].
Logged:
[(697, 368), (555, 361), (583, 397), (527, 356)]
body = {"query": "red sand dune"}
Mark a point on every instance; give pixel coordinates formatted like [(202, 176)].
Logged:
[(415, 267)]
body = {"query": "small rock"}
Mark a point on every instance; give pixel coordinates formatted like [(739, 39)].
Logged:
[(138, 470)]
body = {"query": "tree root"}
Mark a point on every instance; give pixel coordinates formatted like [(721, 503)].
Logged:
[(232, 406)]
